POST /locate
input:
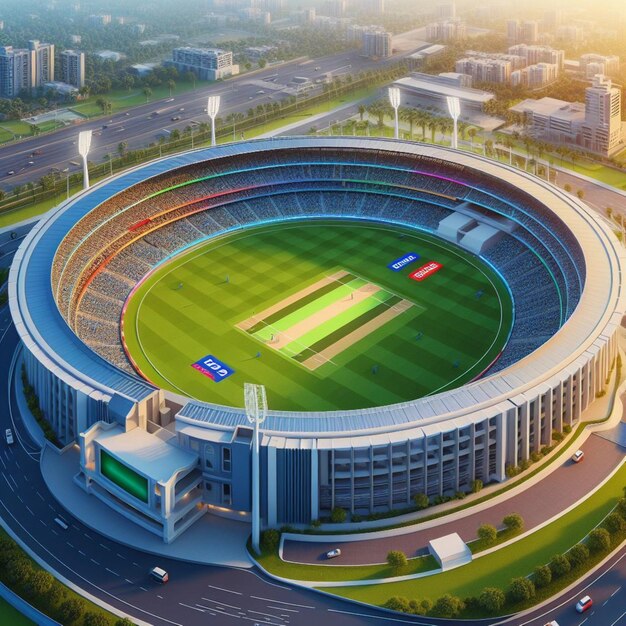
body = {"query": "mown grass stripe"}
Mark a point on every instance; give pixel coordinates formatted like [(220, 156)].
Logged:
[(335, 336), (315, 334), (298, 304)]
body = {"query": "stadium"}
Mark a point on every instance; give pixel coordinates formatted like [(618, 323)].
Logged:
[(420, 317)]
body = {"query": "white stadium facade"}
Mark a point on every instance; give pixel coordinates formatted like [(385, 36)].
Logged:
[(163, 460)]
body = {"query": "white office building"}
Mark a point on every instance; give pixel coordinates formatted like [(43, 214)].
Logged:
[(205, 63)]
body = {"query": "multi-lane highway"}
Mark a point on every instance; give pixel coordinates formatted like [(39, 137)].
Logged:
[(139, 126)]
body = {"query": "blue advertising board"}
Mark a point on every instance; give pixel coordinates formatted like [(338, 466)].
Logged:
[(403, 261), (213, 368)]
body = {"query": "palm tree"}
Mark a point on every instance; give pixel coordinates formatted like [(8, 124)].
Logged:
[(472, 133), (362, 110), (509, 143), (147, 92), (171, 86)]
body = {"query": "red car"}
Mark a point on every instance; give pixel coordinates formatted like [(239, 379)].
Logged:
[(584, 604)]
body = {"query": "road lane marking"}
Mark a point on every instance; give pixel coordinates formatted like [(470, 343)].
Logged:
[(302, 606), (195, 608), (618, 589), (29, 510), (282, 608), (239, 593), (103, 546), (81, 553), (112, 572), (94, 561), (267, 582), (230, 606), (620, 617), (267, 614), (8, 483), (209, 609)]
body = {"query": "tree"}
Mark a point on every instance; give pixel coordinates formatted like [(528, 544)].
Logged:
[(599, 540), (487, 533), (171, 85), (262, 63), (513, 522), (578, 554), (542, 576), (492, 599), (125, 621), (559, 565), (95, 619), (338, 515), (121, 148), (396, 559), (19, 570), (614, 523), (397, 603), (567, 187), (40, 583), (420, 500), (621, 507), (71, 610), (270, 539), (147, 92), (521, 589), (476, 485), (580, 193), (448, 606)]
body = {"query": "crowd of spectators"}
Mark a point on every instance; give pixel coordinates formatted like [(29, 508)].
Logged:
[(109, 250)]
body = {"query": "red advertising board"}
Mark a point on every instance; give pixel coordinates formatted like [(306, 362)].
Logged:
[(425, 271)]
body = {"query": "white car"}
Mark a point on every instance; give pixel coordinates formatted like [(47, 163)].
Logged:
[(159, 574), (8, 436), (333, 553), (552, 623), (578, 456)]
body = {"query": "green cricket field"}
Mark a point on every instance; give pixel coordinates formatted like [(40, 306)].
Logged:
[(312, 310)]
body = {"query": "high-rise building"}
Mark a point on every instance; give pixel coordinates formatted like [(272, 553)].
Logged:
[(42, 70), (448, 30), (570, 33), (592, 64), (15, 71), (539, 54), (485, 70), (73, 68), (335, 8), (535, 76), (602, 129), (376, 43), (99, 20), (524, 32), (205, 63)]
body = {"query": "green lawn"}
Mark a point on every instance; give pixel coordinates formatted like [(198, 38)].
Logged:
[(230, 278), (122, 99), (11, 616), (498, 568)]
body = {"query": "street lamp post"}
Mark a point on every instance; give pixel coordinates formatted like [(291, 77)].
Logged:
[(212, 108), (84, 143), (394, 99), (256, 412), (454, 108)]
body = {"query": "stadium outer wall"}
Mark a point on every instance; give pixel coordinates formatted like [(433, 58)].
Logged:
[(364, 461)]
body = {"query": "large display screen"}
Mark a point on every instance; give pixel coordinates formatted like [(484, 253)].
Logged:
[(124, 477)]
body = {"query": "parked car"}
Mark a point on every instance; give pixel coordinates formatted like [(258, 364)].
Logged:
[(8, 436), (159, 574), (584, 604), (333, 553), (578, 456)]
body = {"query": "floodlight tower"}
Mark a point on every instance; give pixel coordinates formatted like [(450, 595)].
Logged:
[(256, 412), (394, 99), (84, 143), (212, 108), (454, 107)]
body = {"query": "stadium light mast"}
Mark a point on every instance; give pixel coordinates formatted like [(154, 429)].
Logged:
[(212, 109), (394, 99), (84, 143), (256, 412), (454, 108)]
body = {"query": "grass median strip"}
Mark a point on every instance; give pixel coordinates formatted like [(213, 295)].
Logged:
[(515, 560)]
